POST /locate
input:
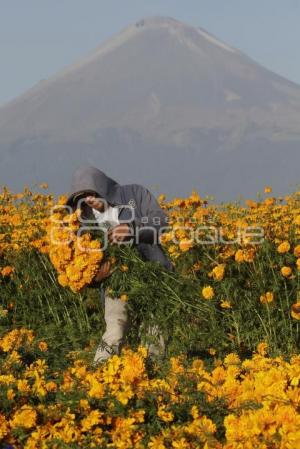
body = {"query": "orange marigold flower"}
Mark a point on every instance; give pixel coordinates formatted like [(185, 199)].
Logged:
[(284, 247), (24, 417), (297, 251), (75, 257), (7, 271), (268, 297), (295, 311), (43, 346), (262, 348), (269, 201), (185, 244), (286, 271), (218, 272), (225, 304)]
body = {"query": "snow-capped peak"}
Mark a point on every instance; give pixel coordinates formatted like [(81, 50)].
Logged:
[(215, 41)]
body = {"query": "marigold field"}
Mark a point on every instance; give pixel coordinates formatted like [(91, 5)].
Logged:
[(230, 316)]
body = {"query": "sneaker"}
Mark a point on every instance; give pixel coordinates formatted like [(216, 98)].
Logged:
[(104, 352), (156, 350), (154, 343)]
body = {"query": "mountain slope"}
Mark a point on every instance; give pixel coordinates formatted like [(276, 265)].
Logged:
[(161, 103)]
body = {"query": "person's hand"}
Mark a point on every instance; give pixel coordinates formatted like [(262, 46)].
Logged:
[(103, 272), (119, 233), (94, 202)]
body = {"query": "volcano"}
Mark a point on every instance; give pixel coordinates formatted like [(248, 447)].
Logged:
[(161, 104)]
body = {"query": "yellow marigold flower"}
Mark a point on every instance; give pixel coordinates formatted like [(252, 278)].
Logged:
[(284, 247), (262, 348), (225, 304), (194, 198), (239, 256), (176, 365), (286, 271), (166, 237), (23, 386), (15, 338), (195, 412), (96, 389), (157, 442), (124, 297), (133, 369), (62, 199), (124, 395), (24, 417), (43, 346), (164, 415), (84, 404), (93, 419), (139, 416), (232, 359), (218, 272), (208, 292), (268, 189), (161, 198), (295, 311), (181, 443), (172, 250), (14, 357), (268, 297), (76, 258)]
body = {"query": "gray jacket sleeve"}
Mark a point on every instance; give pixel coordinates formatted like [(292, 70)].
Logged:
[(153, 219)]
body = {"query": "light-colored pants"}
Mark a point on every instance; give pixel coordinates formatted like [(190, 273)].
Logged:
[(116, 320), (117, 323)]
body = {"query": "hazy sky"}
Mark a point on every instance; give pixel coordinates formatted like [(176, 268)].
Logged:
[(40, 37)]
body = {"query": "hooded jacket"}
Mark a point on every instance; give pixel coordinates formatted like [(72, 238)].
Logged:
[(137, 206)]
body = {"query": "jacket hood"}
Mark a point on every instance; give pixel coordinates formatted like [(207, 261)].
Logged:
[(92, 179)]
